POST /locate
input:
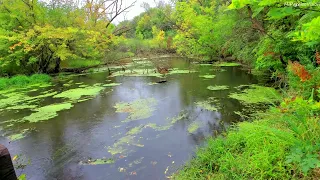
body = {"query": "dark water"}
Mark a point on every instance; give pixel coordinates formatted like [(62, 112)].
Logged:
[(56, 146)]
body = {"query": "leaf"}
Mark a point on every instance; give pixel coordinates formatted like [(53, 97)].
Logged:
[(257, 11)]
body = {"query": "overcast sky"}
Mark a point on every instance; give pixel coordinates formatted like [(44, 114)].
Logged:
[(136, 10)]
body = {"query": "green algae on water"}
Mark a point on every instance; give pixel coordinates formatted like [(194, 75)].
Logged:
[(138, 72), (19, 136), (76, 94), (257, 94), (121, 146), (180, 71), (193, 127), (227, 64), (138, 109), (216, 88), (208, 76), (47, 112), (20, 107), (158, 128), (111, 84), (207, 104), (98, 162), (135, 130)]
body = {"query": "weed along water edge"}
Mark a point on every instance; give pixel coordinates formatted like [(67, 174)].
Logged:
[(118, 127)]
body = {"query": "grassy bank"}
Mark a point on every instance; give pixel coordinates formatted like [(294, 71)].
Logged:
[(282, 143), (22, 80)]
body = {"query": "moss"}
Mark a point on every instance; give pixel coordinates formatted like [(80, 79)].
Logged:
[(138, 109), (257, 94), (98, 162), (207, 104), (208, 76), (226, 64), (47, 112), (193, 127), (215, 88), (111, 84), (76, 94)]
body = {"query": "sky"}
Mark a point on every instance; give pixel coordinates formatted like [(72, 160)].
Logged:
[(135, 10)]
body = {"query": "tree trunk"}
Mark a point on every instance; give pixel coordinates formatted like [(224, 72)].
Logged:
[(57, 66)]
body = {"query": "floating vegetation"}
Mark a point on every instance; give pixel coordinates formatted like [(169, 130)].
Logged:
[(111, 84), (135, 130), (226, 64), (158, 128), (138, 109), (207, 104), (18, 100), (119, 146), (152, 83), (136, 162), (257, 94), (181, 116), (180, 71), (19, 136), (193, 127), (138, 72), (47, 112), (76, 94), (205, 64), (20, 107), (208, 76), (216, 88), (98, 162)]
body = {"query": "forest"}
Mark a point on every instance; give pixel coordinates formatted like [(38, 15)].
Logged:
[(41, 41)]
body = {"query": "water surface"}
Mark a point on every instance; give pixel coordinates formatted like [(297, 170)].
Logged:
[(64, 146)]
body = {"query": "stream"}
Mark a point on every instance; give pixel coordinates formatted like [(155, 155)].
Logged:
[(123, 126)]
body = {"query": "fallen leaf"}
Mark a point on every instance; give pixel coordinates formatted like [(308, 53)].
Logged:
[(15, 157)]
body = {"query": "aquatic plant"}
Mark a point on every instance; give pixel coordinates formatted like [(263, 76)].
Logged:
[(226, 64), (207, 104), (47, 112), (257, 94), (18, 136), (135, 130), (76, 94), (181, 71), (111, 84), (98, 162), (193, 127), (138, 109), (216, 88), (208, 76), (120, 147)]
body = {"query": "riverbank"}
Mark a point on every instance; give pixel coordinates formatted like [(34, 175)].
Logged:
[(281, 143)]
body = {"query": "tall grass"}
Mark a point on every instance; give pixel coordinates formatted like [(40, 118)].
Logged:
[(22, 80), (283, 144)]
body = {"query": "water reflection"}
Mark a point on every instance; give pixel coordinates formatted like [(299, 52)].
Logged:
[(85, 131)]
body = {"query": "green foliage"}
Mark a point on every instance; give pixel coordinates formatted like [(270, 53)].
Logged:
[(22, 81), (281, 144)]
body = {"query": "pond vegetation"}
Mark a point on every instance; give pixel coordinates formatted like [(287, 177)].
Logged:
[(240, 79)]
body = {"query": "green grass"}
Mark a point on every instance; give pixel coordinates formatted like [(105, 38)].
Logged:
[(282, 144), (22, 81)]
